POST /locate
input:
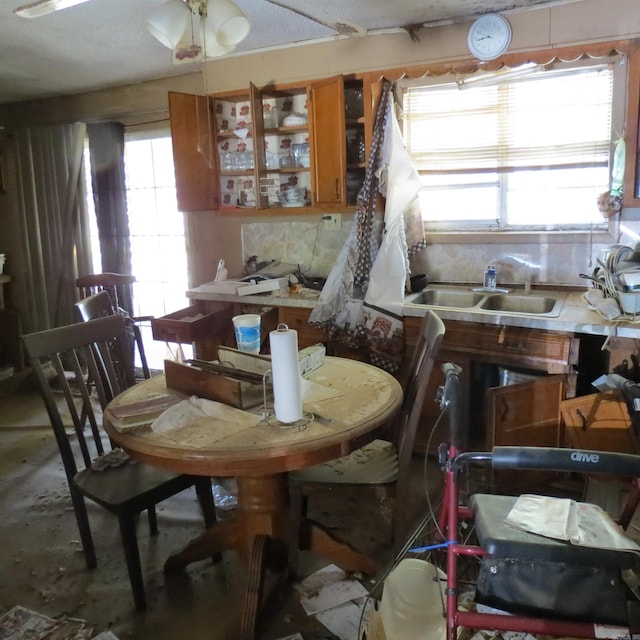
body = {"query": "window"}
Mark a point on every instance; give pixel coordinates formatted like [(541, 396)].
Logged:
[(157, 235), (526, 153)]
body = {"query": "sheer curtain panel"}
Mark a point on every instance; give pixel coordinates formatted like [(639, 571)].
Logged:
[(52, 221)]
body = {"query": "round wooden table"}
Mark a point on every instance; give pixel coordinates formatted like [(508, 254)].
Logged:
[(351, 403)]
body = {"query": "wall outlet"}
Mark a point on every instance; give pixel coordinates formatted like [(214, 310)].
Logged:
[(332, 222)]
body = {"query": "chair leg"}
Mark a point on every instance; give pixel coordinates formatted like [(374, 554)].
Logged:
[(205, 498), (153, 521), (132, 557), (255, 586), (143, 358), (82, 518), (208, 507)]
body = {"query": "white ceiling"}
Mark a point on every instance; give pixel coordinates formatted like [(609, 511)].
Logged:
[(104, 43)]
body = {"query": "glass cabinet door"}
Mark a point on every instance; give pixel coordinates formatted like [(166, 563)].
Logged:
[(284, 155), (235, 145), (354, 137)]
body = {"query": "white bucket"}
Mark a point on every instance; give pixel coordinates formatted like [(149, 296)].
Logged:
[(411, 607), (2, 259)]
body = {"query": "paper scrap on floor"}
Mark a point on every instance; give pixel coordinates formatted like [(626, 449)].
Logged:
[(20, 623), (580, 523), (335, 600)]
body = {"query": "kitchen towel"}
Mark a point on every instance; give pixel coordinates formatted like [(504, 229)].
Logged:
[(287, 386)]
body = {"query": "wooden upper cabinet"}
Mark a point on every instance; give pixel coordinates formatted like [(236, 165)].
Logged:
[(194, 155), (207, 147), (327, 133)]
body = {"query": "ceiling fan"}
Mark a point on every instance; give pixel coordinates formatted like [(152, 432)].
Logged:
[(43, 7)]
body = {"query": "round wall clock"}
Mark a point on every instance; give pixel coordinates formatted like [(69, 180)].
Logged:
[(489, 36)]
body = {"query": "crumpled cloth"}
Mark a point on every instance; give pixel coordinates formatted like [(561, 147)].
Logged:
[(194, 410), (115, 458)]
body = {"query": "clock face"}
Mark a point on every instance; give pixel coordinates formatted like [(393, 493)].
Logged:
[(489, 37)]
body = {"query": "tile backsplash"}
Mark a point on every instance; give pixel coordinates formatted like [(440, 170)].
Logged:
[(316, 249), (306, 244)]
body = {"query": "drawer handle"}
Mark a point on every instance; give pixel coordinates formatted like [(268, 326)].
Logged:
[(519, 346)]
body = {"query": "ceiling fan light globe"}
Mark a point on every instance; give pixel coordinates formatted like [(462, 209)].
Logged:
[(168, 22), (213, 48), (228, 22)]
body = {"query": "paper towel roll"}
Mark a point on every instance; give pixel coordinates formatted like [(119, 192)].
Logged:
[(287, 394)]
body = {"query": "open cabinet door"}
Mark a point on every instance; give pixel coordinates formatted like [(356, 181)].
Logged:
[(328, 142), (525, 414), (195, 154)]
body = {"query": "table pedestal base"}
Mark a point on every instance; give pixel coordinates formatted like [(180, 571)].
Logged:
[(261, 534)]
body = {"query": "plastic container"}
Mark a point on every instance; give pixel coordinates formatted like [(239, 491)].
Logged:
[(411, 607), (490, 278)]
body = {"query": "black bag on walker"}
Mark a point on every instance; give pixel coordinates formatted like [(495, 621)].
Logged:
[(547, 589)]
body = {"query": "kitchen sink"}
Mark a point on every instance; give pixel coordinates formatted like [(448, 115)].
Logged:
[(448, 298), (535, 304), (530, 304)]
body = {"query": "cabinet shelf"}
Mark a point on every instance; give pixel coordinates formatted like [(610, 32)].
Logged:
[(246, 172), (278, 131), (232, 135), (290, 170)]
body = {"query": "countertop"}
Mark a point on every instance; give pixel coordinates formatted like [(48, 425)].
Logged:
[(575, 316)]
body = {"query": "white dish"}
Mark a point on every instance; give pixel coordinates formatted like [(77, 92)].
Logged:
[(294, 120), (297, 203)]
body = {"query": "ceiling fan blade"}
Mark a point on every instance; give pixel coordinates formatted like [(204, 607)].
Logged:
[(43, 7)]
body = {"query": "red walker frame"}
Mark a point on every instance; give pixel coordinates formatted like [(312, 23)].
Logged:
[(451, 513)]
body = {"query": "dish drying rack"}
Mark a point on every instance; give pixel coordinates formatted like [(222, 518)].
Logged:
[(617, 276)]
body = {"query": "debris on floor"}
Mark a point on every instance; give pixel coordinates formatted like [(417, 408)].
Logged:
[(225, 493), (20, 623), (335, 600)]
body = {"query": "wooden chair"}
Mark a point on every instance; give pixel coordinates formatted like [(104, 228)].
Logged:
[(117, 286), (383, 463), (96, 346)]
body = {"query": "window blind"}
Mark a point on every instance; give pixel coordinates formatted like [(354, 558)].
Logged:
[(552, 119)]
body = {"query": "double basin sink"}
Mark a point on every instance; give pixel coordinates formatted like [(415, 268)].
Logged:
[(519, 303)]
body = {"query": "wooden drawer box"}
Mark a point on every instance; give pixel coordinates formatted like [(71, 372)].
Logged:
[(194, 323)]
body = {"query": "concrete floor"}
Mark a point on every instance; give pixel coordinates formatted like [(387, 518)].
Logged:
[(43, 568)]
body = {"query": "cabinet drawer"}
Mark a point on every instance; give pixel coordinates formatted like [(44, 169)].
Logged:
[(194, 323), (298, 319), (526, 348)]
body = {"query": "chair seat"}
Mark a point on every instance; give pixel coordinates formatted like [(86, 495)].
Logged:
[(130, 486), (375, 463), (500, 540)]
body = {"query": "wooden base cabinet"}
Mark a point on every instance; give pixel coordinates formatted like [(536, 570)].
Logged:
[(526, 413), (298, 318)]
